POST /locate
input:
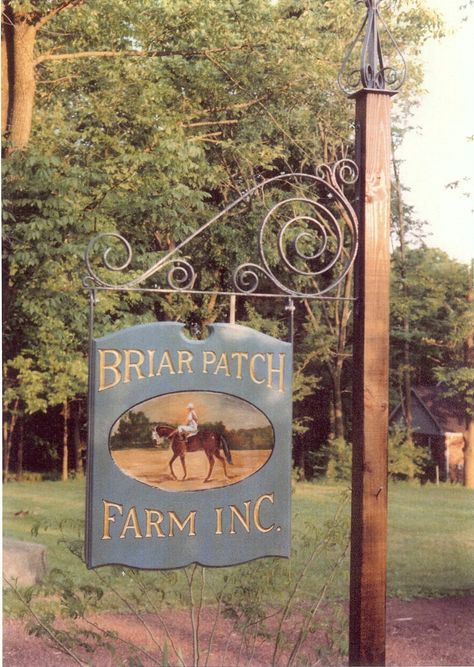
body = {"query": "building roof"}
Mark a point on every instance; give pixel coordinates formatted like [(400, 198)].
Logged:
[(433, 412)]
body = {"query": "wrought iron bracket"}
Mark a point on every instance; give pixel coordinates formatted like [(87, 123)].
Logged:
[(306, 244)]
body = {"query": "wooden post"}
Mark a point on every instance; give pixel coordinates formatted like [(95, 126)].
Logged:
[(370, 383)]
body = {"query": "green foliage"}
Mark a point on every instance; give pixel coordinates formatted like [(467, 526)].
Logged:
[(406, 460), (459, 384), (339, 460), (251, 438), (134, 430), (431, 292), (192, 102)]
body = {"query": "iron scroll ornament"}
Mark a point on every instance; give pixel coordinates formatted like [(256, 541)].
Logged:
[(372, 73), (313, 234)]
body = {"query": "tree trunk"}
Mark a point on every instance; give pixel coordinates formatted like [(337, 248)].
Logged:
[(469, 455), (336, 376), (20, 83), (300, 459), (8, 431), (469, 362), (407, 384), (79, 466), (408, 408), (7, 46), (7, 440), (336, 365), (332, 425), (65, 470), (20, 449)]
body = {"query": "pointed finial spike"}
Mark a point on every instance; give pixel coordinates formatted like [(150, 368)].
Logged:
[(371, 73)]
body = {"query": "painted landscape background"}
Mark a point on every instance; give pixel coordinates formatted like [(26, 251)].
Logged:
[(240, 422), (134, 430), (139, 456)]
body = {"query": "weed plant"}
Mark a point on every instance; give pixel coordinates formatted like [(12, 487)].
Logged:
[(259, 598)]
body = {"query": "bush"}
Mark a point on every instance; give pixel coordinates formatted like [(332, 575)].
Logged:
[(339, 465), (405, 459)]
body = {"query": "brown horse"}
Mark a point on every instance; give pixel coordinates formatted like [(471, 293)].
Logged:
[(209, 441)]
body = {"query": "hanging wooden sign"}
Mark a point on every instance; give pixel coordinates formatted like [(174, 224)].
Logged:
[(190, 447)]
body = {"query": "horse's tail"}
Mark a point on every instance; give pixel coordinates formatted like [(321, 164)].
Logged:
[(225, 448)]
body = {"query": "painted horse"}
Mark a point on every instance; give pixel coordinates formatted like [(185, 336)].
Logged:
[(209, 441)]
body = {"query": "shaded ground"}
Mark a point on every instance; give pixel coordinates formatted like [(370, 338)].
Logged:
[(152, 467), (419, 632)]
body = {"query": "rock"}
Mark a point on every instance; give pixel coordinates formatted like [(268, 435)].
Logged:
[(24, 563)]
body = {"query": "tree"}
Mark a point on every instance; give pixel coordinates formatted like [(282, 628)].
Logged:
[(435, 307), (146, 118), (134, 430), (22, 23), (459, 379), (429, 315), (404, 226)]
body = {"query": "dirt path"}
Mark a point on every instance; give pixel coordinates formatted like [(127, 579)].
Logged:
[(419, 632), (152, 467)]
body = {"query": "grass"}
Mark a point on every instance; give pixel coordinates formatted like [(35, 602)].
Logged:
[(431, 541), (431, 535)]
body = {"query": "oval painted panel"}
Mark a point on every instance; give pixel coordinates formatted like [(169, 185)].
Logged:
[(233, 440)]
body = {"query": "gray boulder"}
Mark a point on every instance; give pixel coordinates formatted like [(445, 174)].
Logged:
[(24, 563)]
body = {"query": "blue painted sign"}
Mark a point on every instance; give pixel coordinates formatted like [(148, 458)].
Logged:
[(190, 447)]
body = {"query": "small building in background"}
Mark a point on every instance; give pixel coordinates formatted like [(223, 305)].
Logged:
[(438, 424)]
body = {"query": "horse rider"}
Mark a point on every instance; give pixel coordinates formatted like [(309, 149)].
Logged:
[(190, 428)]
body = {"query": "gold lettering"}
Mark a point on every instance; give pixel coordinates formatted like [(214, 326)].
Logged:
[(136, 365), (240, 356), (108, 518), (254, 378), (151, 362), (191, 519), (280, 370), (219, 511), (245, 521), (208, 358), (222, 365), (131, 523), (256, 513), (184, 359), (152, 522), (166, 363), (111, 367)]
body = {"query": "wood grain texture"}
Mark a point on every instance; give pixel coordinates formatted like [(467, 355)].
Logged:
[(370, 388)]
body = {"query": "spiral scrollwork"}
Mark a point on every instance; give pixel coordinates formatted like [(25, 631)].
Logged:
[(181, 275), (246, 278), (314, 235), (310, 247), (303, 240), (115, 243), (307, 242), (340, 173)]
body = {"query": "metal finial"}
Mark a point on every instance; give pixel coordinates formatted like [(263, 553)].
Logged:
[(372, 72)]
